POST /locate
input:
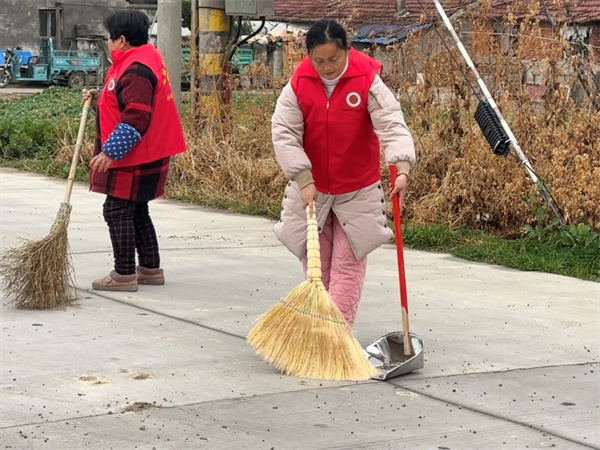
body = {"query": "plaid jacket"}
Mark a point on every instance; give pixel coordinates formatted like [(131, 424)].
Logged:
[(135, 92)]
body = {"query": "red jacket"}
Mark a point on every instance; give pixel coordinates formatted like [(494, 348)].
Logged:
[(339, 138), (165, 135)]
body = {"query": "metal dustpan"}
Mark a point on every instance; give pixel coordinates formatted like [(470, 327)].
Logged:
[(397, 353), (386, 354)]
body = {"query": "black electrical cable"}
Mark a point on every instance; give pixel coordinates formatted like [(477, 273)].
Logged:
[(233, 43), (238, 32), (246, 39)]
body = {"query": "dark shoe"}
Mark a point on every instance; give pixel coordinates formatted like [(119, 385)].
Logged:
[(153, 277), (116, 282)]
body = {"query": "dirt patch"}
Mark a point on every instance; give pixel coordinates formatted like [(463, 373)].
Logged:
[(142, 376), (138, 407), (94, 380)]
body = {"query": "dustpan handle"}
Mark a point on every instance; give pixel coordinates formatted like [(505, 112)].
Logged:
[(313, 254), (408, 350), (78, 145), (399, 241)]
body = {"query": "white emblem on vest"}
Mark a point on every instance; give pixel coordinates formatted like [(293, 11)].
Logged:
[(353, 99), (111, 85)]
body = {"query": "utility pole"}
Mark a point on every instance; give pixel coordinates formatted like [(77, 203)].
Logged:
[(169, 42), (194, 57), (213, 40)]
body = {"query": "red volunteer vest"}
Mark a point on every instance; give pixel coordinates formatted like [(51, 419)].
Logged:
[(339, 138), (165, 135)]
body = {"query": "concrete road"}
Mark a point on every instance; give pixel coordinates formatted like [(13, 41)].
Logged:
[(15, 90), (512, 358)]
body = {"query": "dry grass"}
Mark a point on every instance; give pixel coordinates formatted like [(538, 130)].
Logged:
[(458, 180), (232, 162)]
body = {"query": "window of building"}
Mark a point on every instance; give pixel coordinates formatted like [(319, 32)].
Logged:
[(48, 23), (579, 38)]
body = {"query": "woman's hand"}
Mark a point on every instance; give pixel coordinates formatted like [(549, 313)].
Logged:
[(101, 162), (86, 94), (308, 194), (400, 186)]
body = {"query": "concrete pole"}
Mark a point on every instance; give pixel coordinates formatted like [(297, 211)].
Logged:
[(169, 42), (194, 57), (278, 61), (213, 39)]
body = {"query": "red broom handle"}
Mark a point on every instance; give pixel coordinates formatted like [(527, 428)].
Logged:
[(399, 241), (408, 350)]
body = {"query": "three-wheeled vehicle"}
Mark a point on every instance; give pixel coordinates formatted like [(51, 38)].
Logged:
[(52, 66)]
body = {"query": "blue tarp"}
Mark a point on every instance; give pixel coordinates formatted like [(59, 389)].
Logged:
[(24, 60), (386, 34)]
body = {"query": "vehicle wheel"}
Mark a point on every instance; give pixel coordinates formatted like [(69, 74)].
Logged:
[(4, 79), (76, 80)]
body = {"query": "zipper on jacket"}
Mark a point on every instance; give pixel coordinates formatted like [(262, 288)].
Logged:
[(327, 128)]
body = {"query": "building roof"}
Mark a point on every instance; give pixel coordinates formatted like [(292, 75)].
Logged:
[(386, 12), (570, 11), (373, 12), (385, 34)]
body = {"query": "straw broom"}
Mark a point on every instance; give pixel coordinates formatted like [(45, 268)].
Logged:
[(38, 274), (306, 335)]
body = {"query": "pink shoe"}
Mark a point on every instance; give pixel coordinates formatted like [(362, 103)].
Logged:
[(154, 277), (116, 282)]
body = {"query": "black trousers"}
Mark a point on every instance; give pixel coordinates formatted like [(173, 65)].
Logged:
[(131, 229)]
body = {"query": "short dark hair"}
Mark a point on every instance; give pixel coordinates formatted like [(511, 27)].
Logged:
[(325, 32), (133, 25)]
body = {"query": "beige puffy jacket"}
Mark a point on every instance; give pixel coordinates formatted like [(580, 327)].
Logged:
[(361, 213)]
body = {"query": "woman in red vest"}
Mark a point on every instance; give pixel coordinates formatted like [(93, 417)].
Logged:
[(138, 130), (329, 125)]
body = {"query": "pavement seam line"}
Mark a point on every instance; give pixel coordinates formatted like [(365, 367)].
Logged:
[(500, 417), (182, 406), (492, 372), (180, 319), (177, 249), (207, 327)]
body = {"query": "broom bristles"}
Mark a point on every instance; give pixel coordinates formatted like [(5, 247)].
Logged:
[(38, 274), (306, 336)]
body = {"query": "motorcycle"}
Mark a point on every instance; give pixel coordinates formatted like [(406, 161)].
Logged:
[(6, 69)]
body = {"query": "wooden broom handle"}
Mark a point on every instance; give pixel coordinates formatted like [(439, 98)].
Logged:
[(77, 152), (313, 248)]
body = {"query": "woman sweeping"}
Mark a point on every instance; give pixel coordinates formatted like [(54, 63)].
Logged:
[(329, 125), (138, 130)]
